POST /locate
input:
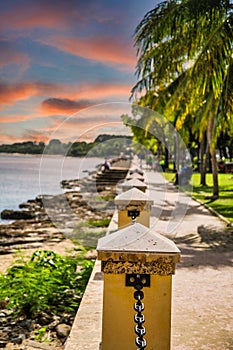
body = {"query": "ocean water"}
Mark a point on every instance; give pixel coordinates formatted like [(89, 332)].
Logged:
[(24, 177)]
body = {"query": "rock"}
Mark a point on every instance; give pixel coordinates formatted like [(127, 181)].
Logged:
[(44, 319), (19, 339), (53, 325), (63, 330), (10, 346), (91, 254), (32, 344), (27, 323), (16, 215)]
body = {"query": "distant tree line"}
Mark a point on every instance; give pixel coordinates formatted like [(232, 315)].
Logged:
[(103, 146)]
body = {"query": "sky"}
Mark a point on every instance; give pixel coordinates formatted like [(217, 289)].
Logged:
[(63, 63)]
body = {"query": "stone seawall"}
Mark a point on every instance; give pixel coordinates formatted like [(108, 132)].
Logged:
[(36, 220)]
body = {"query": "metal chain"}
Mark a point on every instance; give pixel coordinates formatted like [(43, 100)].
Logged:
[(139, 317)]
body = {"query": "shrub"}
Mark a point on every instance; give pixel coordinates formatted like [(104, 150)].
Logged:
[(47, 282), (99, 223)]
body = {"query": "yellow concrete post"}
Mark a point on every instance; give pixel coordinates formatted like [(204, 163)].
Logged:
[(136, 250), (133, 199), (134, 183)]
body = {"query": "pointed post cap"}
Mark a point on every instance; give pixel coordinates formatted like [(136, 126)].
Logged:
[(135, 176), (133, 197), (135, 170), (137, 249), (127, 185)]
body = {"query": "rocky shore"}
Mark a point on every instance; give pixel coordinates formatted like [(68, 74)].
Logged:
[(54, 217), (45, 221)]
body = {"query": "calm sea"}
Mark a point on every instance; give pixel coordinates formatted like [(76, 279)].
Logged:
[(24, 177)]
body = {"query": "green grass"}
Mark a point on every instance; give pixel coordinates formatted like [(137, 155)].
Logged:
[(99, 223), (88, 238), (224, 204), (87, 233)]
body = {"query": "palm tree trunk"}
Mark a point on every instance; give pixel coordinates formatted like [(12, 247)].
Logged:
[(215, 173), (202, 162), (210, 132)]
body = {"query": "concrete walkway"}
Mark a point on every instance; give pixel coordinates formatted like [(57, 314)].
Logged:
[(202, 312), (202, 286)]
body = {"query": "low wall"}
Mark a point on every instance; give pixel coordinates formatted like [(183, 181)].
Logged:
[(86, 332)]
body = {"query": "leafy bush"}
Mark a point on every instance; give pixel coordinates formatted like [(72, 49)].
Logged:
[(47, 282), (99, 223)]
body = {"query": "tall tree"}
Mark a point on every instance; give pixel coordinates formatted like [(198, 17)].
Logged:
[(185, 64)]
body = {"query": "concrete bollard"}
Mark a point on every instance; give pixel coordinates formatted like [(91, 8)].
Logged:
[(136, 170), (133, 203), (135, 176), (127, 185), (136, 259)]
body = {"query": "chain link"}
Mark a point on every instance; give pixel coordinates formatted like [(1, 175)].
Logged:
[(139, 317)]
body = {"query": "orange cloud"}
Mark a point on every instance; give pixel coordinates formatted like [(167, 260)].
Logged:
[(37, 136), (28, 136), (10, 55), (73, 99), (41, 14), (84, 125), (111, 51), (10, 93), (12, 118), (81, 121), (96, 119), (66, 98), (102, 90), (59, 105)]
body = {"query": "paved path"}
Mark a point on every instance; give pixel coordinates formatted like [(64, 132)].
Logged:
[(202, 313), (202, 286)]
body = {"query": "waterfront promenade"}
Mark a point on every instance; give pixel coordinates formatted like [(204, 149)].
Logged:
[(202, 303), (203, 284)]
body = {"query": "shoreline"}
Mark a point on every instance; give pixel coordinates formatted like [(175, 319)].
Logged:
[(50, 218), (47, 155), (40, 233), (24, 177)]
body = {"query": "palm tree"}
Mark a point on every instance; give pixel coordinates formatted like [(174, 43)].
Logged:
[(185, 65)]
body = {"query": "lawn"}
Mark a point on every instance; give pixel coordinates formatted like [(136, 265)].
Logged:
[(224, 204)]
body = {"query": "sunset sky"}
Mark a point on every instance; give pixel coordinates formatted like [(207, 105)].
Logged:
[(61, 57)]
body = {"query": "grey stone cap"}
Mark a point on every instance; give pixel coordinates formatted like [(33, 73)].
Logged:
[(134, 183), (135, 176), (136, 170), (135, 241), (133, 196)]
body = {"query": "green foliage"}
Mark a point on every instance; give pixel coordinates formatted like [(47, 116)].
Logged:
[(224, 204), (87, 233), (88, 238), (47, 282), (108, 197), (103, 146), (185, 68), (40, 334), (27, 147), (110, 146), (99, 223)]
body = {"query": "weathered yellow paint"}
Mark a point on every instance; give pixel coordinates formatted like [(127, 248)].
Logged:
[(118, 313), (125, 220)]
